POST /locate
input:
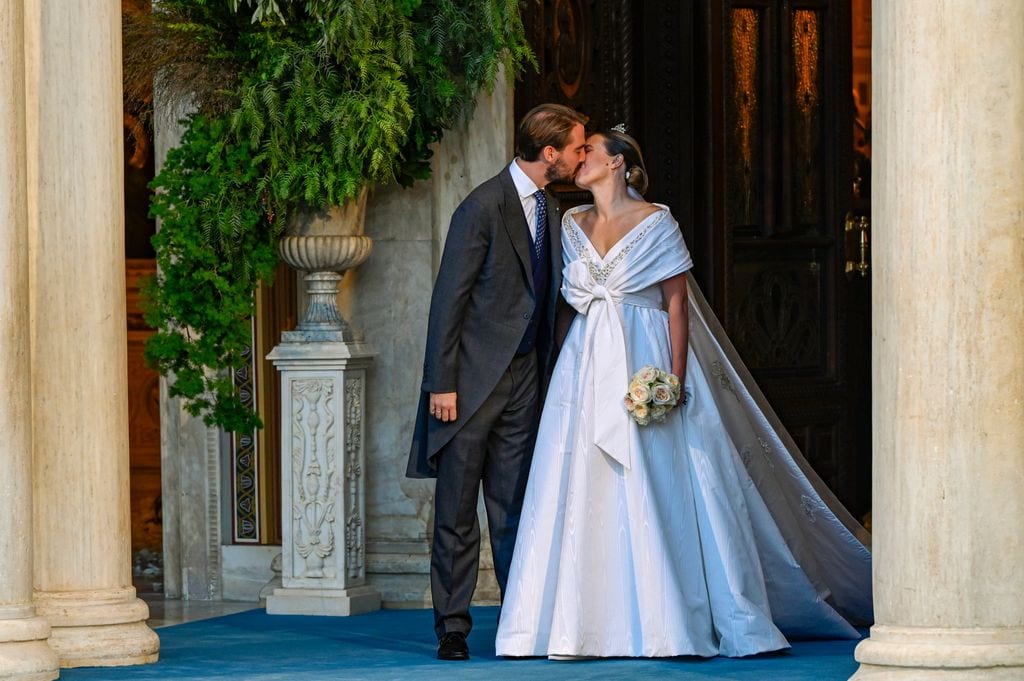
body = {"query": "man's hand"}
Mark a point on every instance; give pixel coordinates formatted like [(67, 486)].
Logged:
[(442, 406)]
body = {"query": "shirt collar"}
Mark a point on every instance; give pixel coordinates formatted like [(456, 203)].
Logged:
[(524, 185)]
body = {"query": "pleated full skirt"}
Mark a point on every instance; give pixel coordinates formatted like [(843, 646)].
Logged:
[(676, 555)]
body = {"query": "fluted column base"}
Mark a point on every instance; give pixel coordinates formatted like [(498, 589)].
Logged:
[(100, 628), (913, 653), (24, 653)]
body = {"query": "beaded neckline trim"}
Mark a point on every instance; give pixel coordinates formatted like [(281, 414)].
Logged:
[(577, 237)]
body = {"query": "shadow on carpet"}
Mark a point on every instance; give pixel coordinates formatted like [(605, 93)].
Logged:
[(399, 644)]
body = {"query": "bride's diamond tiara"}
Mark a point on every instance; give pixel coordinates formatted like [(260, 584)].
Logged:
[(621, 127)]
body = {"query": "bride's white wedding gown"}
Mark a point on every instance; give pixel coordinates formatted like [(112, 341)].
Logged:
[(707, 534)]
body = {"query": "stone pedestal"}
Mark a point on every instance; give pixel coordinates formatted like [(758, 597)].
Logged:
[(948, 318), (323, 395), (79, 380), (24, 653)]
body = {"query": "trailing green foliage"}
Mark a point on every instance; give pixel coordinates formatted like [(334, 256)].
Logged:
[(216, 244), (299, 104)]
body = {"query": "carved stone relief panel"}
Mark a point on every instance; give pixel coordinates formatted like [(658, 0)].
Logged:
[(355, 538), (315, 484)]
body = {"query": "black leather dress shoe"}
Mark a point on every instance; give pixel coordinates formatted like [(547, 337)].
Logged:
[(452, 646)]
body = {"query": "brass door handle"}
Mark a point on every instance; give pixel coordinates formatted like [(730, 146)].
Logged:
[(857, 225)]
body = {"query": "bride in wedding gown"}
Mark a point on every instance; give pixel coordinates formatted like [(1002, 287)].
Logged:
[(706, 534)]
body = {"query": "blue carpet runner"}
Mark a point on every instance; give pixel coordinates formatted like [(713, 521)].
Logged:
[(400, 645)]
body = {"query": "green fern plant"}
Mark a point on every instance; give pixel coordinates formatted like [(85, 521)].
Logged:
[(299, 104), (460, 46), (216, 244)]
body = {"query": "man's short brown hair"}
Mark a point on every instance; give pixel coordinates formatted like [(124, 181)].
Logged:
[(546, 125)]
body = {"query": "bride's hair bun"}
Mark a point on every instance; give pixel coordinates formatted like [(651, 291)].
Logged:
[(636, 177), (616, 142)]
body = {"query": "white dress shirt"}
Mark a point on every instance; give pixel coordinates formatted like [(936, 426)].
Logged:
[(526, 188)]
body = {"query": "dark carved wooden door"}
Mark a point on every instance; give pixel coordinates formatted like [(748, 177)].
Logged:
[(745, 112), (776, 124)]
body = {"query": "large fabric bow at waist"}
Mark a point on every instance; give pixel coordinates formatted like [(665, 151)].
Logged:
[(607, 345)]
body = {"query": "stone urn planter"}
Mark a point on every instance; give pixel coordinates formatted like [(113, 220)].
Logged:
[(325, 245)]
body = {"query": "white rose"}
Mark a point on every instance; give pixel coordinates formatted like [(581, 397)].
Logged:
[(673, 382), (641, 412), (663, 393), (658, 413), (628, 401), (640, 394), (647, 374)]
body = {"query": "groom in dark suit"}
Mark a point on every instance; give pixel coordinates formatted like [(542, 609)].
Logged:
[(489, 350)]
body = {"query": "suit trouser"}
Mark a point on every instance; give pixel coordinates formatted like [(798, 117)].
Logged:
[(494, 447)]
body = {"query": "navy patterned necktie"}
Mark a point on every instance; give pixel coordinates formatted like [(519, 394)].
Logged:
[(542, 222)]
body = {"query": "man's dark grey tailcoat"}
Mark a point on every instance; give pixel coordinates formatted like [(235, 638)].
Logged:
[(482, 303)]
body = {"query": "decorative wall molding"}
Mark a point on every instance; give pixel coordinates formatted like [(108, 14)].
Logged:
[(245, 453)]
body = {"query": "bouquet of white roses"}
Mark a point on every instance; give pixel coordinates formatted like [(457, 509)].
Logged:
[(652, 393)]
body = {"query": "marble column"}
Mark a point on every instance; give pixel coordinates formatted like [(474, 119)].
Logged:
[(24, 653), (948, 319), (79, 343)]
